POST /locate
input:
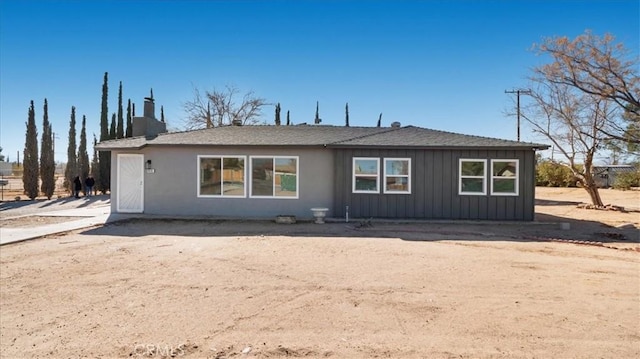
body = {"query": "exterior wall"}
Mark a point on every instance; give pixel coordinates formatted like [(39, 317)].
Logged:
[(606, 176), (434, 187), (172, 189), (325, 180)]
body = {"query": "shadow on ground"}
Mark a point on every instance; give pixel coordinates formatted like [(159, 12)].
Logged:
[(60, 203), (545, 202), (545, 227)]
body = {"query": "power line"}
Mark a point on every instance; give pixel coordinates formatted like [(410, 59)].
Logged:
[(518, 92)]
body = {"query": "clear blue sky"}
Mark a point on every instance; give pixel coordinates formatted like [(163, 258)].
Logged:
[(435, 64)]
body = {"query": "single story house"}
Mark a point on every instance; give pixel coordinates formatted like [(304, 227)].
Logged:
[(359, 172)]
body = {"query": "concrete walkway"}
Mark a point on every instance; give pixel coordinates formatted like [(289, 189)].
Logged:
[(87, 217)]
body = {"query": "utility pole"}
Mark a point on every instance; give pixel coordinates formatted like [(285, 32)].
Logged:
[(518, 92)]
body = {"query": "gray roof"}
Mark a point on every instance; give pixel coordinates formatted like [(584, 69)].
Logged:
[(317, 135)]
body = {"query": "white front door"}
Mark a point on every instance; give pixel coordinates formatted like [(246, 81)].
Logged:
[(130, 183)]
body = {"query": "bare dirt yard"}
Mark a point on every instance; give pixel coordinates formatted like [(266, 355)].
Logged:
[(232, 289)]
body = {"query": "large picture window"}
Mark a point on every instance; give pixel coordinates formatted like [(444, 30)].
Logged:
[(274, 176), (397, 175), (366, 175), (504, 177), (473, 174), (221, 176)]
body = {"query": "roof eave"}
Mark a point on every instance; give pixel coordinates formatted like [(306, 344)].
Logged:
[(408, 147), (117, 148)]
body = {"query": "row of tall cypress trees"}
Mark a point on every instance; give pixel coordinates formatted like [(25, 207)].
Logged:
[(39, 174), (45, 168), (39, 171)]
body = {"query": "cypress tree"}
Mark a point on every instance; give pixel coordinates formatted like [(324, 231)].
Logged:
[(30, 157), (83, 156), (104, 112), (95, 165), (71, 170), (47, 161), (104, 157), (112, 128), (288, 122), (209, 123), (129, 130), (120, 125), (161, 113), (380, 120), (346, 115), (278, 114), (133, 110), (317, 120)]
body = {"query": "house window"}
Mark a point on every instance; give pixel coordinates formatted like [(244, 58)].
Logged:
[(274, 176), (221, 176), (473, 174), (366, 173), (504, 177), (397, 175)]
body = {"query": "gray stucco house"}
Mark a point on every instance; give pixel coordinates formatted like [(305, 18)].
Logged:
[(365, 172)]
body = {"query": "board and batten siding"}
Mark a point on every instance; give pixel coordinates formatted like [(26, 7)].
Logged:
[(434, 187)]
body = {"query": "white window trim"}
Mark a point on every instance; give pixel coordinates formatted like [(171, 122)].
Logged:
[(221, 195), (354, 175), (483, 177), (408, 176), (516, 178), (297, 196)]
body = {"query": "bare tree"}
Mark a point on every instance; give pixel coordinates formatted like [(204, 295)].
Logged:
[(222, 107), (599, 67), (572, 120)]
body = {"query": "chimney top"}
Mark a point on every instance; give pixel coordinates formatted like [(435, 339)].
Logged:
[(149, 108)]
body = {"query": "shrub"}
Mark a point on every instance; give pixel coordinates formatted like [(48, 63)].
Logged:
[(551, 174), (626, 180)]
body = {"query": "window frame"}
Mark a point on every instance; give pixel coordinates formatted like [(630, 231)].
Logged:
[(221, 195), (385, 176), (483, 177), (354, 176), (516, 178), (273, 158)]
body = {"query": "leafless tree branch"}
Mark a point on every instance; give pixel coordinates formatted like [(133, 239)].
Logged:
[(219, 108), (598, 67)]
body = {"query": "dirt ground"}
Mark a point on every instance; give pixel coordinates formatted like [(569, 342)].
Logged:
[(230, 289)]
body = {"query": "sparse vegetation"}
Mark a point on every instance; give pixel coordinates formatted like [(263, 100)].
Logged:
[(627, 180), (553, 174)]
